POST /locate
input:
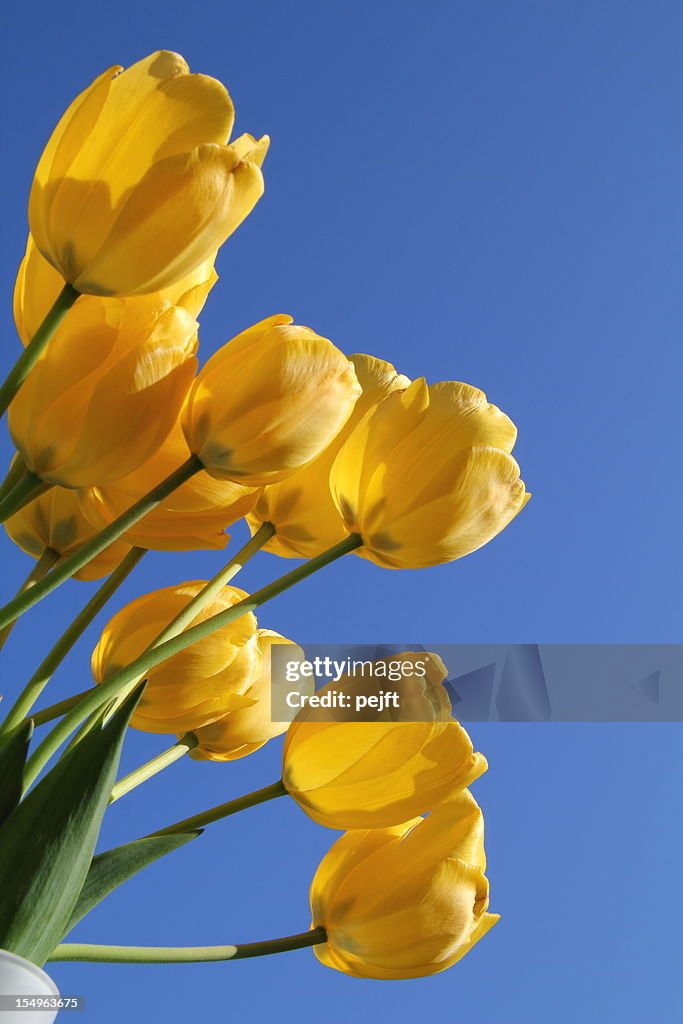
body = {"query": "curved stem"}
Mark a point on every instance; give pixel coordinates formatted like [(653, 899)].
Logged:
[(87, 953), (27, 488), (240, 803), (151, 768), (41, 677), (29, 357), (66, 568), (127, 678), (43, 565)]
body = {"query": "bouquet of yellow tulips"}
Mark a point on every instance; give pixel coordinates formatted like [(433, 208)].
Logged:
[(125, 445)]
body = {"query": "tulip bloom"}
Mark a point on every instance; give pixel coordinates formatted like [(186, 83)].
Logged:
[(137, 185), (106, 392), (194, 516), (372, 774), (54, 521), (269, 402), (198, 685), (427, 476), (301, 508), (407, 901), (249, 728)]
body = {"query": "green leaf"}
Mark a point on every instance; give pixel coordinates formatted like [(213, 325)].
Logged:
[(49, 839), (13, 751), (111, 869)]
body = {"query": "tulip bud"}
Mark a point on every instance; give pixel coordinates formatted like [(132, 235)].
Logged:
[(106, 392), (54, 521), (301, 508), (249, 728), (268, 402), (427, 476), (197, 685), (407, 901), (194, 516), (137, 185), (375, 773)]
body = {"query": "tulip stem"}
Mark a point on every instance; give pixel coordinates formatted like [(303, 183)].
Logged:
[(36, 345), (47, 667), (191, 610), (71, 565), (26, 489), (151, 768), (88, 953), (240, 803), (14, 474), (127, 678), (43, 565), (53, 711)]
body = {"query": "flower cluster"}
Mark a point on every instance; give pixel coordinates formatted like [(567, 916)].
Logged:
[(125, 444)]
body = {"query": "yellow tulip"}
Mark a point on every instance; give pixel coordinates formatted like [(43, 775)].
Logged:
[(54, 521), (137, 185), (407, 901), (269, 402), (194, 516), (249, 728), (427, 476), (106, 392), (301, 508), (371, 774), (38, 284), (196, 686)]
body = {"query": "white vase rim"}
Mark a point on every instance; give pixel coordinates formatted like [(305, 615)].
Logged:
[(6, 954)]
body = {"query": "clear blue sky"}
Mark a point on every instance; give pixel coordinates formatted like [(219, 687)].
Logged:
[(483, 192)]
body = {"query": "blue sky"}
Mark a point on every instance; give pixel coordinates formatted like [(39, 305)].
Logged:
[(481, 192)]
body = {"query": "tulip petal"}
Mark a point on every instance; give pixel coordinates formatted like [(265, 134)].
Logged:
[(269, 402), (154, 109), (160, 377), (482, 494), (350, 851), (75, 126), (194, 687), (189, 203), (367, 445), (367, 774)]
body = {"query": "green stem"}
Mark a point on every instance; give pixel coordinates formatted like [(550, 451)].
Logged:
[(151, 768), (190, 612), (29, 357), (43, 565), (183, 619), (14, 474), (27, 488), (53, 711), (47, 667), (66, 569), (87, 953), (240, 803), (128, 677)]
